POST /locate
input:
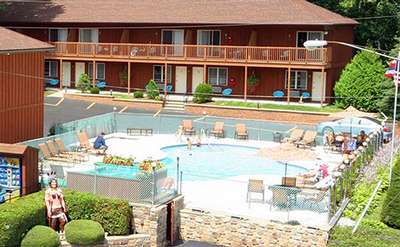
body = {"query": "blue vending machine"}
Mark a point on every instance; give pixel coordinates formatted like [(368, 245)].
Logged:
[(10, 177)]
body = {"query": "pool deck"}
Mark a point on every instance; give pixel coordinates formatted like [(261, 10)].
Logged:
[(223, 195)]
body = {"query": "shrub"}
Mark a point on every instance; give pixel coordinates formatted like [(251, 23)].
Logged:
[(84, 232), (42, 236), (152, 90), (18, 217), (113, 214), (360, 84), (390, 214), (202, 93), (83, 83), (138, 94), (159, 98), (94, 90), (386, 102)]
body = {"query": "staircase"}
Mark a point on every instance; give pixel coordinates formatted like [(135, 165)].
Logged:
[(174, 105)]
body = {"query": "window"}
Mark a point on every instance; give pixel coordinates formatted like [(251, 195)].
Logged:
[(218, 76), (298, 79), (100, 71), (309, 35), (158, 74), (58, 34), (208, 37), (89, 35), (51, 69)]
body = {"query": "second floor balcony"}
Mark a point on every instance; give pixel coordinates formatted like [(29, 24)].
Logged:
[(159, 53)]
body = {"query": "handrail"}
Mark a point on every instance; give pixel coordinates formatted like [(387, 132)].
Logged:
[(242, 54)]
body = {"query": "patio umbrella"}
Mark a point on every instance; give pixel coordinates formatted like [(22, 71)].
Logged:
[(351, 112)]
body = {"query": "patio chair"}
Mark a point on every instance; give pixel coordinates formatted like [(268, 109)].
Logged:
[(278, 94), (188, 127), (241, 132), (61, 148), (314, 200), (308, 139), (227, 91), (283, 197), (47, 155), (289, 181), (218, 130), (255, 186), (53, 150), (84, 143), (295, 136)]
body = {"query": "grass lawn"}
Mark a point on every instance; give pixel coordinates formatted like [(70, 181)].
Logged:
[(48, 92), (365, 236), (122, 96), (329, 108)]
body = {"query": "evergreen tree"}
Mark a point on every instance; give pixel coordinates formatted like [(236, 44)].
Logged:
[(390, 214), (83, 83), (361, 83)]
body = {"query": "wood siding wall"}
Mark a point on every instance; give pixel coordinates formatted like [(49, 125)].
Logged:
[(21, 96)]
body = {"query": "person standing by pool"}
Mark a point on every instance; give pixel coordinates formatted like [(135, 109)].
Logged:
[(198, 141), (55, 205), (100, 143), (189, 143)]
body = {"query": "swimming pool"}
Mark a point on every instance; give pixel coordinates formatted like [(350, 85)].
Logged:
[(210, 161)]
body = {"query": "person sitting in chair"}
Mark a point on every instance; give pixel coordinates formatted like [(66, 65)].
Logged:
[(100, 143), (361, 138)]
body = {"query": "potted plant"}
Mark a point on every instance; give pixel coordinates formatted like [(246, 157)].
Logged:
[(252, 82)]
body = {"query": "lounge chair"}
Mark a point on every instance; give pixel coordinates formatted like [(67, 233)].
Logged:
[(241, 132), (84, 143), (218, 130), (314, 200), (308, 139), (57, 153), (47, 155), (61, 148), (295, 136), (255, 186), (188, 127)]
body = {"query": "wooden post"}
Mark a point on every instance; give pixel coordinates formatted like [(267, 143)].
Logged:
[(245, 83), (129, 77), (94, 74), (323, 85), (61, 74), (205, 74), (288, 85), (165, 80)]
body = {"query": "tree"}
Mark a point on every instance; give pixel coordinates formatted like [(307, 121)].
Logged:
[(390, 214), (361, 82), (83, 83), (152, 90)]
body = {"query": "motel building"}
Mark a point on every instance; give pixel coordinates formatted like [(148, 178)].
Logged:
[(253, 48)]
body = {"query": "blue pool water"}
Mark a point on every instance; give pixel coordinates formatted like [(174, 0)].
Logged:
[(215, 161)]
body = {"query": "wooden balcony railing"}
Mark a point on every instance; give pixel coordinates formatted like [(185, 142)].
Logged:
[(229, 54)]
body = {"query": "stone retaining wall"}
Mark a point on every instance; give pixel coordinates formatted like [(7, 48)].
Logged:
[(263, 114), (227, 231), (135, 240)]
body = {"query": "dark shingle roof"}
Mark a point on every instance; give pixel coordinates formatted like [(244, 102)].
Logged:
[(258, 12), (11, 41)]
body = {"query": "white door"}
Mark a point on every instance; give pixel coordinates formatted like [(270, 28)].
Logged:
[(197, 77), (180, 79), (318, 86), (79, 70), (66, 74)]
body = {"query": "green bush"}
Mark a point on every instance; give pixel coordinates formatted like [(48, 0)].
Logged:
[(159, 98), (152, 90), (84, 232), (138, 94), (360, 84), (83, 83), (42, 236), (113, 214), (18, 217), (202, 93), (94, 90), (390, 214)]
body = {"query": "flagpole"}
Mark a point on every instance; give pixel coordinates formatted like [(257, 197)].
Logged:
[(396, 83)]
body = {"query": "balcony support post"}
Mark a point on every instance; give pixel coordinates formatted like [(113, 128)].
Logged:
[(288, 85), (245, 83), (129, 77), (323, 85), (205, 73), (94, 73), (61, 73), (165, 80)]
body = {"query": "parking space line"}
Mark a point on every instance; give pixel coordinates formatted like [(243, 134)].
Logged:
[(56, 104), (156, 114), (123, 109), (90, 106)]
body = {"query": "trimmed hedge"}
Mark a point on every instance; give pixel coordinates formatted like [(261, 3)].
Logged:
[(202, 93), (18, 217), (84, 232), (138, 94), (94, 90), (390, 214), (42, 236)]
